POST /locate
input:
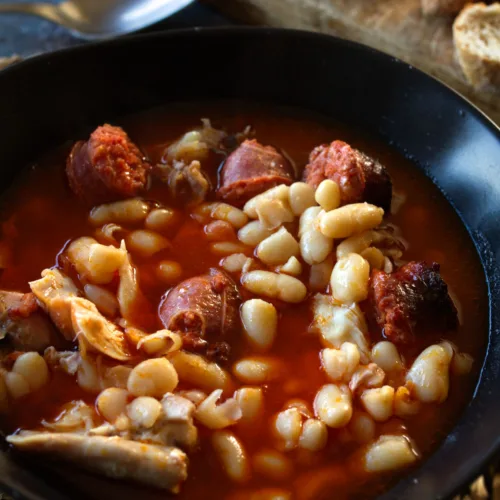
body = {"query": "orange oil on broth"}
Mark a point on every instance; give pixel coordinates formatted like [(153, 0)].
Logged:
[(40, 215)]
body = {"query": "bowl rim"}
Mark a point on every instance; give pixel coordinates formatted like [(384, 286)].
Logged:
[(477, 462)]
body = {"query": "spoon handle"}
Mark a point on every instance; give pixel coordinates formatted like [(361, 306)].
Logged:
[(40, 9)]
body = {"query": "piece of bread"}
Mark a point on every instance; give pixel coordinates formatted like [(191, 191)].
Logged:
[(476, 33), (436, 7)]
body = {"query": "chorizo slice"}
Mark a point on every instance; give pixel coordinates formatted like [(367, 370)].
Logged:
[(411, 301), (205, 310), (107, 167), (252, 169), (360, 178)]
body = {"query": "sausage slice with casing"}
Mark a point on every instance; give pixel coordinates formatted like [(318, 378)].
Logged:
[(205, 310), (359, 177), (411, 301), (109, 166), (250, 170)]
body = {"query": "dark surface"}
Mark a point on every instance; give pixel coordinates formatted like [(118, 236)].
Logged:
[(43, 104), (28, 35)]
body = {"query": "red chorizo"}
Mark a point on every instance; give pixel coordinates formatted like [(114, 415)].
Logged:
[(205, 310), (252, 169), (411, 301), (109, 166), (360, 178)]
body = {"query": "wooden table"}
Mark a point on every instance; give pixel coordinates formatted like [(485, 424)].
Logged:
[(393, 26)]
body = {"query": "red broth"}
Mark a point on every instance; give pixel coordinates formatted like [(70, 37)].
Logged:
[(40, 215)]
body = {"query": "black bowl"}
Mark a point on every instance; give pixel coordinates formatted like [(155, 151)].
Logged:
[(46, 100)]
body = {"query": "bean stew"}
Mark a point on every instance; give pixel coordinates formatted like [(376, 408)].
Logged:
[(233, 302)]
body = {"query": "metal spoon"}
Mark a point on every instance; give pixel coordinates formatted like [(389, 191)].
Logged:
[(93, 19)]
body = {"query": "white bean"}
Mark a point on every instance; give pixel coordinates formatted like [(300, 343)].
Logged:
[(355, 244), (272, 464), (104, 300), (160, 219), (300, 197), (350, 219), (428, 377), (17, 385), (215, 416), (199, 372), (461, 364), (152, 377), (314, 435), (111, 403), (404, 404), (288, 427), (279, 193), (253, 233), (169, 271), (314, 246), (385, 354), (160, 343), (340, 364), (278, 248), (319, 274), (273, 285), (374, 256), (225, 212), (292, 266), (93, 261), (128, 211), (389, 453), (232, 455), (146, 243), (379, 402), (234, 263), (117, 376), (258, 370), (350, 277), (219, 230), (333, 405), (251, 401), (227, 248), (328, 195), (144, 412), (260, 321), (362, 427), (274, 213), (88, 377), (33, 368)]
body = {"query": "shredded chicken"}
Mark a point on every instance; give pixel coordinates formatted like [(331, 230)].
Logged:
[(54, 292), (338, 324)]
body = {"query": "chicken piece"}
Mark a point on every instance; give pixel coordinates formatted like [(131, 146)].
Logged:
[(54, 291), (338, 324), (25, 324), (186, 182), (410, 301), (100, 333), (158, 466), (133, 305)]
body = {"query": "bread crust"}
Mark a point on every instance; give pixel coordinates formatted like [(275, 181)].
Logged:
[(481, 67)]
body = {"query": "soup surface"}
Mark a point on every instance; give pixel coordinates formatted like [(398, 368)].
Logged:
[(312, 398)]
